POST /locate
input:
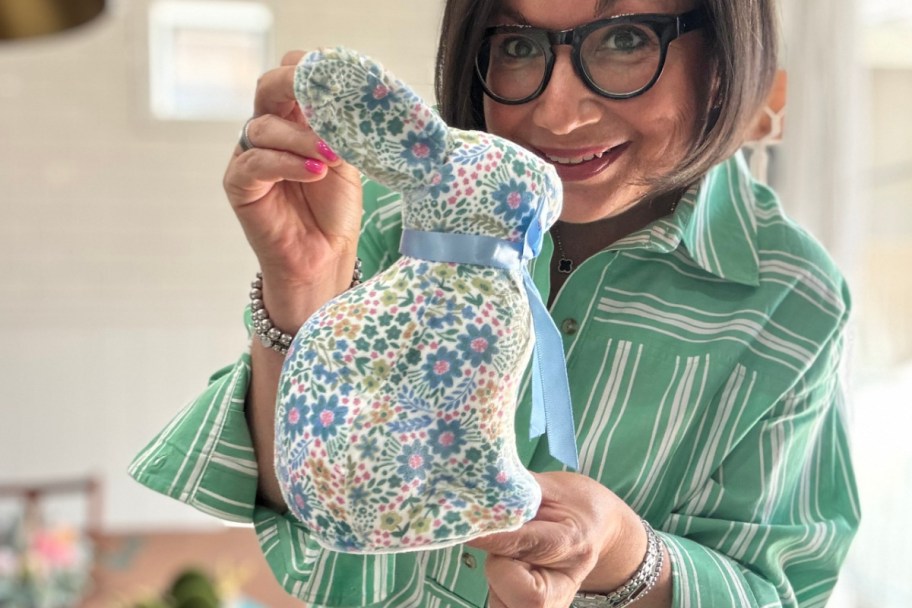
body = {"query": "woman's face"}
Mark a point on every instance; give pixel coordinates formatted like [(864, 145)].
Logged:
[(634, 139)]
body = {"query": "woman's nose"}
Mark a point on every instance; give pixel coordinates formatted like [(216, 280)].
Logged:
[(566, 104)]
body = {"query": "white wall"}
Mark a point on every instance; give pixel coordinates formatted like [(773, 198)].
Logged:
[(123, 273)]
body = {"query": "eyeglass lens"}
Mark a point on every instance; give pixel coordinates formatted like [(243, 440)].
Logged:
[(617, 58)]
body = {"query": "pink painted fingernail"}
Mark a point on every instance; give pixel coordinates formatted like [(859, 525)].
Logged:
[(327, 152), (314, 166)]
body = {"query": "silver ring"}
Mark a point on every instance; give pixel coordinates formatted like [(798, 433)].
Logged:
[(244, 142)]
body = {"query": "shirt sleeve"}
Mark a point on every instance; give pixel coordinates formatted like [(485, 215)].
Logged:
[(772, 525), (205, 458), (324, 578)]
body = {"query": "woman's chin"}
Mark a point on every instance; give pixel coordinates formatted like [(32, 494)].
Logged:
[(591, 207), (606, 195), (581, 216)]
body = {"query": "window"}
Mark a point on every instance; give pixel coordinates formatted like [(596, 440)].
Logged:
[(205, 57)]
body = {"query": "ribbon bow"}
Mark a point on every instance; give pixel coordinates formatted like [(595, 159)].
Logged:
[(551, 409)]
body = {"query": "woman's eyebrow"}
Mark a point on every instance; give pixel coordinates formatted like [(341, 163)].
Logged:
[(511, 14), (604, 6)]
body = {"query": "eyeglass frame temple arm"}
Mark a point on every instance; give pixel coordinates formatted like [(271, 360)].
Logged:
[(691, 20)]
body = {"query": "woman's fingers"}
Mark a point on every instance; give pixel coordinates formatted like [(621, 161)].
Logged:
[(494, 600), (292, 57), (274, 133), (275, 94), (254, 173), (286, 152), (517, 584)]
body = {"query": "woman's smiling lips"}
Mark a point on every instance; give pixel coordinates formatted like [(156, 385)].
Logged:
[(581, 163)]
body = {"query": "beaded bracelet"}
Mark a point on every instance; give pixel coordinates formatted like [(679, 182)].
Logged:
[(271, 336), (641, 583)]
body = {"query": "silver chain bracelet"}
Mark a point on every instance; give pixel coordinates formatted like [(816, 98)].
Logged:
[(271, 336), (641, 583)]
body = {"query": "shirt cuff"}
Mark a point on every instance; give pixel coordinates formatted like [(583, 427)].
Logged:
[(204, 457), (324, 578), (708, 579)]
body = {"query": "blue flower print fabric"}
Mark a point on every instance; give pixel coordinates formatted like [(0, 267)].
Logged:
[(394, 418)]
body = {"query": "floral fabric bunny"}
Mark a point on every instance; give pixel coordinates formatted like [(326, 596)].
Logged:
[(394, 418)]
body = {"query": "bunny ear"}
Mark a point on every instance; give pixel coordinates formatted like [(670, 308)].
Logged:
[(371, 119)]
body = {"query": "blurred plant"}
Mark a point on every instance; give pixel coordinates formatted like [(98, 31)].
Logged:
[(42, 567), (191, 589)]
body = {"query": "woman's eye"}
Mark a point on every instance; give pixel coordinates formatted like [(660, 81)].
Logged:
[(624, 39), (519, 47)]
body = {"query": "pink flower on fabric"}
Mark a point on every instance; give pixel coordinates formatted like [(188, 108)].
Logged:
[(513, 200), (421, 150), (380, 91), (478, 344), (296, 415), (414, 462), (441, 368), (448, 438), (327, 415), (376, 95)]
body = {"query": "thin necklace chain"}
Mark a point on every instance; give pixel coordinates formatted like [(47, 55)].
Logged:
[(566, 265)]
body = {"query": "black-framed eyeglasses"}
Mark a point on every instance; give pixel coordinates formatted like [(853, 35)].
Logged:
[(619, 57)]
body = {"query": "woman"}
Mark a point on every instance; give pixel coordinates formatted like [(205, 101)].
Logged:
[(702, 329)]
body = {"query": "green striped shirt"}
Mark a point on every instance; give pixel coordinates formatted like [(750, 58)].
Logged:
[(703, 354)]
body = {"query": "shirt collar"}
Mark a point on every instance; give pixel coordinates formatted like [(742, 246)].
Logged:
[(715, 223)]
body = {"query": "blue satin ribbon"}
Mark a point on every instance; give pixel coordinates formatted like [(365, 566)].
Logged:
[(551, 409)]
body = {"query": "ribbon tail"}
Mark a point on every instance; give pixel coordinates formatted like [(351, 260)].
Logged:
[(552, 412), (537, 422)]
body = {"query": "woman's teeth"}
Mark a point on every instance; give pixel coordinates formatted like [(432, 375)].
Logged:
[(574, 161)]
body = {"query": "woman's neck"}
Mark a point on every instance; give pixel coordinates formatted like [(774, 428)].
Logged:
[(575, 243)]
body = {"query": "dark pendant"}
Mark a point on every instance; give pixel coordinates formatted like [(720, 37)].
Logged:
[(565, 266)]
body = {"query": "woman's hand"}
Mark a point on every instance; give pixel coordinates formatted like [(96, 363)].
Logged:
[(583, 537), (300, 208), (298, 203)]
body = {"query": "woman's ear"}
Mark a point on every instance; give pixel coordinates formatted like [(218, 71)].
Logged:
[(769, 124)]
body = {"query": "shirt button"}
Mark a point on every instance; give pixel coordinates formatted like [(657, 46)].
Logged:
[(569, 326), (469, 560)]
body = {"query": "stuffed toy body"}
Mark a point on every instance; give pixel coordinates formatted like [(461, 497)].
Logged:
[(395, 409)]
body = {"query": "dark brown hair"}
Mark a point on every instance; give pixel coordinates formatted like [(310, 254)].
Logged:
[(742, 41)]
